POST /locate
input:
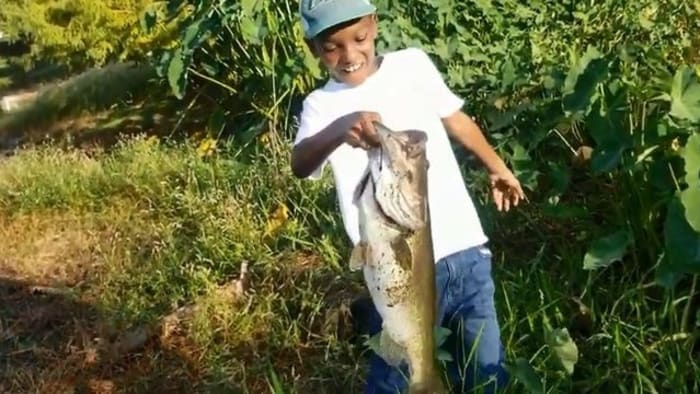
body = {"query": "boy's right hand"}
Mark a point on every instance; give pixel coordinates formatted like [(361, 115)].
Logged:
[(361, 133)]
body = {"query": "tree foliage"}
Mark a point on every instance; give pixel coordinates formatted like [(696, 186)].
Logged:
[(80, 33)]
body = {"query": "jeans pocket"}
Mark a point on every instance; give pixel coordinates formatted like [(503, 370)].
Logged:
[(484, 252)]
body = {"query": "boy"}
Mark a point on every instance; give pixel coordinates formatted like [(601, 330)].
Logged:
[(404, 90)]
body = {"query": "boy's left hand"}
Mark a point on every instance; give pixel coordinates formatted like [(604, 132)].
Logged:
[(506, 190)]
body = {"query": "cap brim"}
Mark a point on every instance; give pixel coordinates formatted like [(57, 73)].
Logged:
[(333, 18)]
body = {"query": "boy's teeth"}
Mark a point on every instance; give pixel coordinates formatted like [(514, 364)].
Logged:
[(351, 68)]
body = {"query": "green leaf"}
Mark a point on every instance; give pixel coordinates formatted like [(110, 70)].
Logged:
[(251, 30), (190, 37), (163, 63), (685, 95), (444, 355), (441, 335), (666, 276), (608, 131), (661, 170), (691, 156), (523, 371), (582, 80), (524, 167), (606, 250), (564, 348), (440, 48), (564, 211), (250, 7), (177, 73), (373, 342), (645, 22), (681, 241), (690, 198), (509, 76), (606, 158), (560, 176)]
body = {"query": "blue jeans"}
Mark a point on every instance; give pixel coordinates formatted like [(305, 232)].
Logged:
[(465, 293)]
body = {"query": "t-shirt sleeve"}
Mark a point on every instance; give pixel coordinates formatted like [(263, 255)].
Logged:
[(432, 84), (310, 123)]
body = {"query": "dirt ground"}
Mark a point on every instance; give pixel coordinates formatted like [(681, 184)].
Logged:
[(51, 337)]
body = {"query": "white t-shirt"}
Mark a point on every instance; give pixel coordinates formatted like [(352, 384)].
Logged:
[(408, 92)]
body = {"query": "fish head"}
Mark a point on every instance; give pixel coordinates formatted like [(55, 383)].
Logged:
[(398, 167)]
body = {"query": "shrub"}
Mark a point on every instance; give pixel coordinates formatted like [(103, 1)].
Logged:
[(80, 33)]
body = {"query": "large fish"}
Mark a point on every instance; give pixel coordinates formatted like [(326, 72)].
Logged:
[(395, 253)]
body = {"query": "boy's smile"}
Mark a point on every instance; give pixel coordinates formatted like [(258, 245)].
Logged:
[(347, 50)]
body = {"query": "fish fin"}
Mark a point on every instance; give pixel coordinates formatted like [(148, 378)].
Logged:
[(389, 350), (402, 253), (358, 256)]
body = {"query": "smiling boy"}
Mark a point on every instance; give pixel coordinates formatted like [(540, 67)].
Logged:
[(404, 90)]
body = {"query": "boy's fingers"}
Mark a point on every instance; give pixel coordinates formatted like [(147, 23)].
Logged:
[(498, 198), (354, 140), (369, 133)]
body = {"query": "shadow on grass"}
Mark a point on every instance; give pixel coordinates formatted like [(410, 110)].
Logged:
[(49, 343), (13, 75), (161, 117), (119, 98), (100, 107)]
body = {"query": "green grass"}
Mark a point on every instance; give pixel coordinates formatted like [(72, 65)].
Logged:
[(170, 225)]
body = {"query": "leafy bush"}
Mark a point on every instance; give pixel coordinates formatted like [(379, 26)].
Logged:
[(251, 51), (80, 33)]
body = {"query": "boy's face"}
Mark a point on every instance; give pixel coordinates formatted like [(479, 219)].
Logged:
[(347, 50)]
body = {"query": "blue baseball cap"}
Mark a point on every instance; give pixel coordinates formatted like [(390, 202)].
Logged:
[(319, 15)]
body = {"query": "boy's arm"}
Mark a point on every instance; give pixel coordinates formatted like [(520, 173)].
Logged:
[(355, 129), (309, 153), (506, 189), (462, 128)]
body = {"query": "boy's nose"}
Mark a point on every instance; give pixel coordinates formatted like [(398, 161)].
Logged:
[(348, 56)]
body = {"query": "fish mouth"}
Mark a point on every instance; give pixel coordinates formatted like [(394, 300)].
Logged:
[(399, 212)]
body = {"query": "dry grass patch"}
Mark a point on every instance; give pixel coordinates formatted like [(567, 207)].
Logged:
[(49, 249)]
